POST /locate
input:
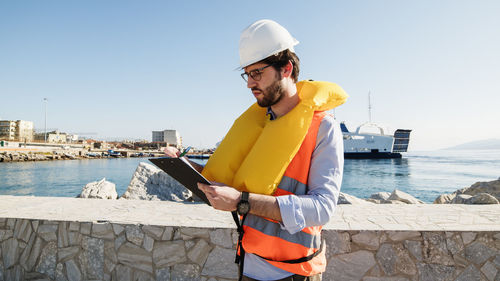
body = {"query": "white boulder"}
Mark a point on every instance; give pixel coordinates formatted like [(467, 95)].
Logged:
[(151, 183), (345, 198), (102, 189), (398, 195)]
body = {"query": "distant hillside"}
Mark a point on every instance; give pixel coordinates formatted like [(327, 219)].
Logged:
[(482, 144)]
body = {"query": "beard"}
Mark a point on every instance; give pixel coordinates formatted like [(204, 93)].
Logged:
[(272, 94)]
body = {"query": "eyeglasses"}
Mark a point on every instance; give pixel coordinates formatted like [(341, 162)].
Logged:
[(256, 74)]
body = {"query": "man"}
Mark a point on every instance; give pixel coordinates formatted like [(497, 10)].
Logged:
[(280, 165)]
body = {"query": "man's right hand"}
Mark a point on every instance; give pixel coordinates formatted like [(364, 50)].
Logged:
[(171, 151)]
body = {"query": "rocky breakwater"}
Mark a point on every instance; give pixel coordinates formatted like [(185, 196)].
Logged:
[(478, 193), (35, 156)]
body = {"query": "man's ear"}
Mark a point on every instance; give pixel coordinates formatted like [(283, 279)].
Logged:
[(287, 69)]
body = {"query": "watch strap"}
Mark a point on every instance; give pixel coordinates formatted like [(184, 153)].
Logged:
[(244, 196)]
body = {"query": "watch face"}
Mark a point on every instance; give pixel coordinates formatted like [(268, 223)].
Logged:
[(243, 207)]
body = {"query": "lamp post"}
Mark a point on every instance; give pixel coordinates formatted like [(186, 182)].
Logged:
[(45, 101)]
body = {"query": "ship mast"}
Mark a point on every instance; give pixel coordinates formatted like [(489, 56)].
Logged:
[(369, 107)]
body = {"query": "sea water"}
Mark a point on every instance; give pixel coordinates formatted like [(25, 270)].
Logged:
[(424, 175)]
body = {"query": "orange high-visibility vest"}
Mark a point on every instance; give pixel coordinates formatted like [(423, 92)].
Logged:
[(265, 238)]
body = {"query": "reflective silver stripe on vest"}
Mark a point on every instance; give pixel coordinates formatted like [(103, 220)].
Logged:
[(274, 229), (292, 185)]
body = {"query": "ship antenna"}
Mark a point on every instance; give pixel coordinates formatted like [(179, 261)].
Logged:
[(369, 107)]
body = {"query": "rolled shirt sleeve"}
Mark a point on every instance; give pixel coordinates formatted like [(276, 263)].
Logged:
[(325, 178)]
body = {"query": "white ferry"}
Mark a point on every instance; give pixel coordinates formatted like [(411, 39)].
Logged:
[(371, 141)]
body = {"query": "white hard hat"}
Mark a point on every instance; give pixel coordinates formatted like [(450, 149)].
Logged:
[(263, 39)]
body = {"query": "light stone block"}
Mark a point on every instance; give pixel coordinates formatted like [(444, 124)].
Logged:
[(134, 234), (74, 226), (34, 254), (181, 272), (119, 241), (135, 257), (471, 273), (47, 262), (195, 232), (496, 261), (454, 244), (6, 234), (394, 259), (489, 270), (85, 228), (415, 249), (336, 242), (63, 238), (169, 253), (35, 224), (92, 258), (109, 266), (155, 232), (14, 273), (220, 264), (368, 240), (189, 244), (65, 254), (435, 272), (222, 237), (177, 234), (468, 237), (23, 230), (123, 273), (11, 223), (118, 229), (103, 231), (478, 253), (109, 251), (48, 232), (148, 243), (74, 238), (435, 249), (352, 266), (199, 252), (403, 235), (23, 259), (142, 276), (168, 233), (385, 279), (72, 271), (10, 252)]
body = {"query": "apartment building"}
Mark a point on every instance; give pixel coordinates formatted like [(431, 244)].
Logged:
[(171, 137), (18, 130)]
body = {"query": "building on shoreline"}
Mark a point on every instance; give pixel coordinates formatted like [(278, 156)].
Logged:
[(171, 137), (18, 130)]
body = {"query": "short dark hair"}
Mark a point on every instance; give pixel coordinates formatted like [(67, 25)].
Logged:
[(281, 59)]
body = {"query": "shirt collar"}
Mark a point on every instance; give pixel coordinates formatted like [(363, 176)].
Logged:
[(270, 112)]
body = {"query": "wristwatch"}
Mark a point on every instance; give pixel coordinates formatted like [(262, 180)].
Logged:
[(243, 206)]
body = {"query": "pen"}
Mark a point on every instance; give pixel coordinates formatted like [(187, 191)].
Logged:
[(185, 151)]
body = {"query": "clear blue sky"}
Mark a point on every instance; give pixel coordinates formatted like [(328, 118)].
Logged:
[(122, 69)]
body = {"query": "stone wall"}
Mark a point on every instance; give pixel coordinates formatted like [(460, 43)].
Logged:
[(60, 250), (116, 249)]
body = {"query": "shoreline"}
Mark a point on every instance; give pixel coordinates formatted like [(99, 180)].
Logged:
[(31, 155)]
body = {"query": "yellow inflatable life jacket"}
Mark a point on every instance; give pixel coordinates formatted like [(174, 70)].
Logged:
[(255, 153)]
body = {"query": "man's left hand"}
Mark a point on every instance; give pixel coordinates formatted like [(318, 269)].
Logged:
[(221, 197)]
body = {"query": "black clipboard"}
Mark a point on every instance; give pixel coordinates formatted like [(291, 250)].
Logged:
[(184, 173)]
